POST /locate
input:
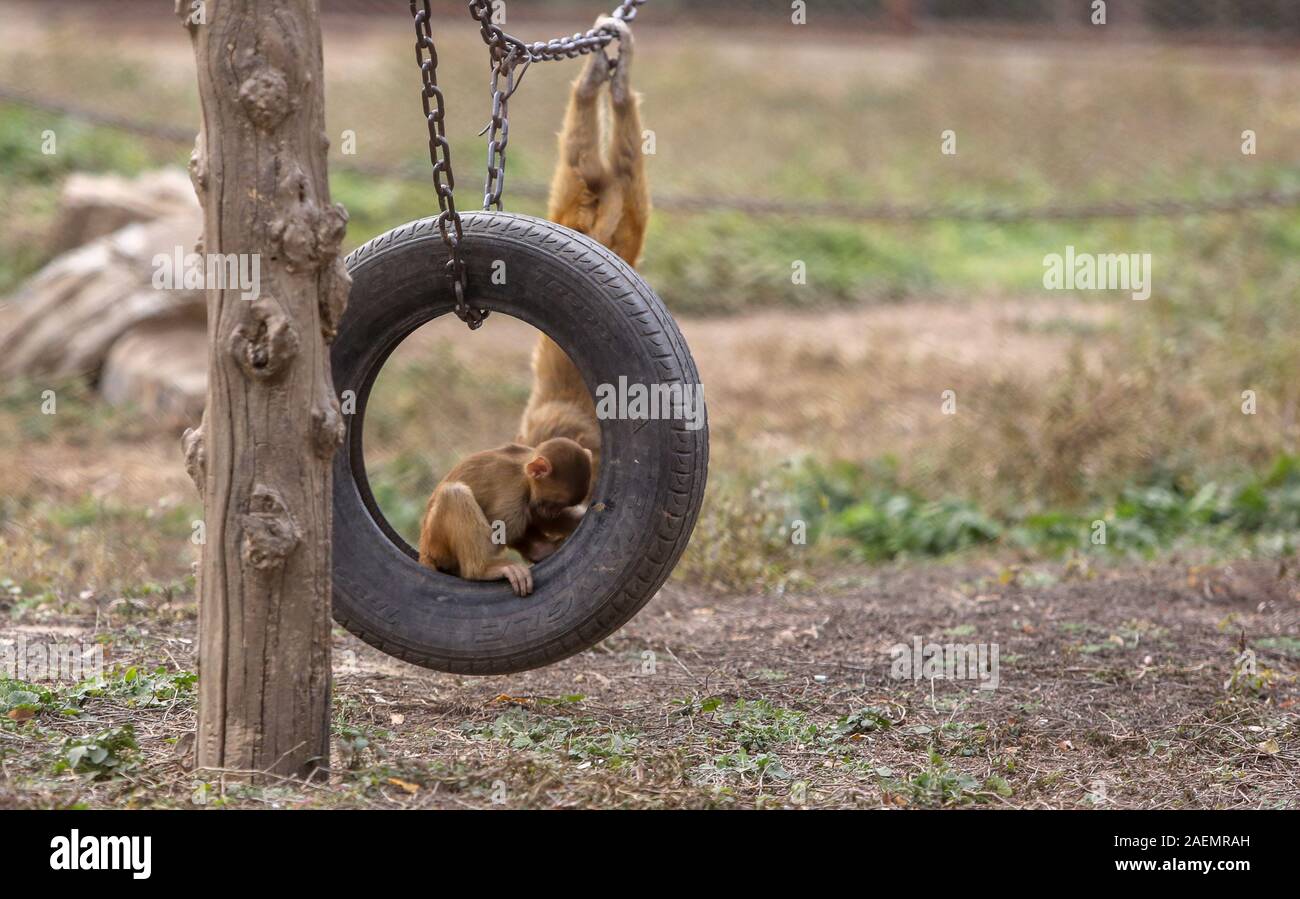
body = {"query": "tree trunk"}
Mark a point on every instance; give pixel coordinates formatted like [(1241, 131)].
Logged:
[(261, 457)]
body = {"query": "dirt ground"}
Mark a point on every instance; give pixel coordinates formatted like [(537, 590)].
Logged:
[(1111, 693)]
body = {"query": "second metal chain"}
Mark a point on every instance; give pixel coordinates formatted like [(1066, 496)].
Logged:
[(557, 48), (498, 128), (508, 53)]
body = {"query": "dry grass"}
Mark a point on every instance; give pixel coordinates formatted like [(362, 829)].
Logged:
[(853, 385), (1112, 694)]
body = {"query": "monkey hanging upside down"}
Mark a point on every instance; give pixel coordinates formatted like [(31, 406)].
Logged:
[(599, 189), (531, 500), (514, 497)]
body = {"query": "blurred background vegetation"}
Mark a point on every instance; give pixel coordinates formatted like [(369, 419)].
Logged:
[(776, 144)]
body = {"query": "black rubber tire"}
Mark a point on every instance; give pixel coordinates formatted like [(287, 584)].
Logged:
[(652, 476)]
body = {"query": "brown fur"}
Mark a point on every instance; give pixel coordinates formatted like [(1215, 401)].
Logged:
[(532, 492), (599, 189)]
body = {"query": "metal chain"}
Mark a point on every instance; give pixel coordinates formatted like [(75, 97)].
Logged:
[(499, 128), (444, 181), (507, 53), (557, 48)]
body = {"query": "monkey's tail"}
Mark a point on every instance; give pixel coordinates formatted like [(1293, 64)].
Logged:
[(555, 377)]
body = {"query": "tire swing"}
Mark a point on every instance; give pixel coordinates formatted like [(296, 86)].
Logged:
[(611, 324)]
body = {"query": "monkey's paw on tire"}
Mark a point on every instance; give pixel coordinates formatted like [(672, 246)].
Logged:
[(651, 482)]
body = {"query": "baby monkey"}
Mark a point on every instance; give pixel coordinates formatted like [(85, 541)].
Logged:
[(516, 497)]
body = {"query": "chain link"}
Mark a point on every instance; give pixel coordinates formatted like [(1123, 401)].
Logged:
[(507, 54), (557, 48), (499, 127)]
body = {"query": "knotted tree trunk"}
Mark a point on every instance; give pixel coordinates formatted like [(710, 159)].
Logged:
[(261, 458)]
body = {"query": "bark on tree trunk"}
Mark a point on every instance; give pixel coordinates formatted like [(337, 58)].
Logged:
[(261, 457)]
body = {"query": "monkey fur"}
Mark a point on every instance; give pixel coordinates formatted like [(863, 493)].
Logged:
[(599, 189), (528, 499)]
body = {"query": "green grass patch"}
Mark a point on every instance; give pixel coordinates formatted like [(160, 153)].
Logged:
[(758, 725), (36, 410), (750, 531), (103, 755), (938, 785), (869, 515), (583, 741)]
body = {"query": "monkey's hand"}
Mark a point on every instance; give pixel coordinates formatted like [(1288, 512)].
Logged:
[(520, 578), (620, 85), (593, 77)]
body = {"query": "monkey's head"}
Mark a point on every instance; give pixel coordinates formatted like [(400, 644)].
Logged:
[(559, 475)]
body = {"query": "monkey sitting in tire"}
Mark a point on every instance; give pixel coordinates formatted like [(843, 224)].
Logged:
[(524, 498)]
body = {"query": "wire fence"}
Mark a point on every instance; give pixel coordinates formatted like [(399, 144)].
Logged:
[(1221, 20), (1174, 16), (1101, 136), (881, 212)]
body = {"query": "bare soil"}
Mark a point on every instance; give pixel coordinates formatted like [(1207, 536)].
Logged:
[(1111, 693)]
